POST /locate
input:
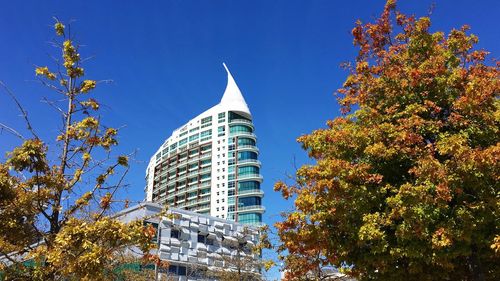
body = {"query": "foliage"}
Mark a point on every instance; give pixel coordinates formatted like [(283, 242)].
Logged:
[(55, 209), (406, 182)]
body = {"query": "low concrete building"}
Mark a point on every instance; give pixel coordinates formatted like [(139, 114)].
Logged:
[(195, 244)]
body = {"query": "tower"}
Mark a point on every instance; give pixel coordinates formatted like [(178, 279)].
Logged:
[(210, 164)]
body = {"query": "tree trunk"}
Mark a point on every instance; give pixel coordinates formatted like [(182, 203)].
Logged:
[(475, 266)]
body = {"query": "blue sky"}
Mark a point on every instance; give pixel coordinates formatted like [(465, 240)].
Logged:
[(165, 58)]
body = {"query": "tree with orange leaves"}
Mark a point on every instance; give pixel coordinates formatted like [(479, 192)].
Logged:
[(406, 182)]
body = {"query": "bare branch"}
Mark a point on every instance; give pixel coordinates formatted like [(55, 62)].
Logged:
[(20, 107), (12, 131)]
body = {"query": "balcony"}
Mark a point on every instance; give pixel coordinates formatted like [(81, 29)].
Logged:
[(257, 177), (243, 134), (247, 147), (241, 121), (249, 161), (257, 192), (252, 208)]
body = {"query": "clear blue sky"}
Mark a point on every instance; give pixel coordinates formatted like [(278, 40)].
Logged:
[(165, 58)]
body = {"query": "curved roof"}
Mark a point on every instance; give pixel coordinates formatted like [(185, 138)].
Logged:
[(232, 98)]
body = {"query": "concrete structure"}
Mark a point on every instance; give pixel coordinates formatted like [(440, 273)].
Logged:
[(193, 243), (209, 165)]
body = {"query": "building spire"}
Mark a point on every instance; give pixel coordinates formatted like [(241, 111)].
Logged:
[(232, 98)]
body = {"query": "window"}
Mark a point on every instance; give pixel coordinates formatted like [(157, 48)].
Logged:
[(248, 185), (221, 130), (249, 201), (244, 155), (249, 170), (175, 233), (206, 133), (205, 239), (178, 270), (206, 120), (245, 141), (183, 141), (240, 128), (193, 137), (221, 115)]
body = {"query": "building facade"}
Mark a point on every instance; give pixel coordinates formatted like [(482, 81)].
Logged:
[(210, 164), (198, 246)]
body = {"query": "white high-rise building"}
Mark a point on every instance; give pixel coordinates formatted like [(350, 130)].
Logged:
[(210, 164)]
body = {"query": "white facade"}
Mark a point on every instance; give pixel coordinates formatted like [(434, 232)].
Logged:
[(209, 165), (193, 243)]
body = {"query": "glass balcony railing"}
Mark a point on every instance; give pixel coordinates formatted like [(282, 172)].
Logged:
[(251, 147), (252, 208), (246, 134), (241, 121), (250, 176), (249, 161), (251, 192)]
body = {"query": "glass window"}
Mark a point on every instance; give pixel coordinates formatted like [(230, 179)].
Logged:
[(249, 218), (206, 133), (248, 185), (249, 201), (244, 155), (246, 141), (206, 119), (233, 115), (194, 137), (181, 271), (249, 170), (240, 128), (175, 233)]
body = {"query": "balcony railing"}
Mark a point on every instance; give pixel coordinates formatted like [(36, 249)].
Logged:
[(247, 146), (251, 192), (249, 161), (241, 121), (252, 208), (250, 176), (246, 134)]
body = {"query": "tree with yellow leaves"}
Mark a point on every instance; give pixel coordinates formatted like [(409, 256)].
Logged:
[(406, 183), (55, 221)]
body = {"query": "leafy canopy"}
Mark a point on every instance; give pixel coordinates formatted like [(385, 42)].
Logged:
[(406, 182)]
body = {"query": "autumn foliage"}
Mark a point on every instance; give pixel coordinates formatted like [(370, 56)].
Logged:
[(55, 204), (406, 182)]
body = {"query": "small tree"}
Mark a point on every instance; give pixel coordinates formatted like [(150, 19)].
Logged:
[(406, 186), (55, 222)]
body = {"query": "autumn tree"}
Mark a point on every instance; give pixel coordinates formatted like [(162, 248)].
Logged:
[(55, 202), (406, 183)]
